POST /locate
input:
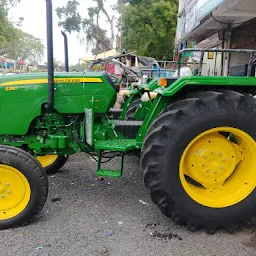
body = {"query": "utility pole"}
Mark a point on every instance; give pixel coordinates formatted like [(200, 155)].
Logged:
[(121, 23)]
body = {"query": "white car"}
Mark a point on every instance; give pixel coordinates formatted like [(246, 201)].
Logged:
[(10, 74)]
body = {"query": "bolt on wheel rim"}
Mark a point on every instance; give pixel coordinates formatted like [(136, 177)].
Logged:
[(15, 192), (217, 167)]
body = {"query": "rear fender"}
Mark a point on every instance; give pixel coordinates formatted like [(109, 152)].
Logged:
[(204, 82)]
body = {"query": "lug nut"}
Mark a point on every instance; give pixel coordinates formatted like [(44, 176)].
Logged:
[(7, 184), (212, 153), (2, 196), (9, 191)]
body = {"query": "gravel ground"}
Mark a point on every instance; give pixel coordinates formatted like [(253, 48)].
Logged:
[(84, 216)]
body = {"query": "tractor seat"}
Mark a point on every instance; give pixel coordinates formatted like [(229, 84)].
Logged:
[(171, 80)]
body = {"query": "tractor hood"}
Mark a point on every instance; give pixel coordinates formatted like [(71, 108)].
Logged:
[(22, 97), (62, 77)]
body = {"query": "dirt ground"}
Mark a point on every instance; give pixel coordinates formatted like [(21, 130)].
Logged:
[(115, 217)]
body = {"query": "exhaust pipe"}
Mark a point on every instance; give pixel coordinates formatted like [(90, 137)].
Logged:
[(66, 50), (50, 54)]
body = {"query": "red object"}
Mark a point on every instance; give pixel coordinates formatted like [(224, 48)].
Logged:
[(176, 55), (21, 62), (111, 68), (2, 59)]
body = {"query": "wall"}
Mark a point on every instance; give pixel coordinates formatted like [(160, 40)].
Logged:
[(191, 12)]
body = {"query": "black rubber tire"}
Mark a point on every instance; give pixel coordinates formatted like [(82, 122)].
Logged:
[(165, 143), (132, 110), (56, 166), (37, 178)]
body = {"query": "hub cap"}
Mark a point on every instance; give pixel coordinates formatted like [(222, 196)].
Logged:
[(15, 192), (217, 168)]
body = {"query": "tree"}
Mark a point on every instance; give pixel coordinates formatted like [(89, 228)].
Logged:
[(24, 47), (14, 43), (79, 67), (69, 16), (149, 27), (95, 36), (7, 30)]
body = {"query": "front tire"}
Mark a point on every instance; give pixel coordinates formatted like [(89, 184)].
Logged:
[(197, 175), (23, 187), (52, 163)]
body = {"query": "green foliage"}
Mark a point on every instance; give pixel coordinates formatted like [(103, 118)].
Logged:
[(79, 67), (9, 3), (149, 27), (14, 43), (94, 35), (69, 17), (7, 30), (29, 48), (23, 46)]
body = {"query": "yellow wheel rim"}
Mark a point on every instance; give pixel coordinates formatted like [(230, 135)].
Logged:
[(47, 160), (217, 169), (15, 192)]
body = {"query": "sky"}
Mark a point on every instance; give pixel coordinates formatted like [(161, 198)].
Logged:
[(34, 13)]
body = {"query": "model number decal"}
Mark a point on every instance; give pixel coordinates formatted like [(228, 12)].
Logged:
[(68, 81), (77, 80), (8, 89)]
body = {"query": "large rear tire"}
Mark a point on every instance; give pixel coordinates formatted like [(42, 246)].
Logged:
[(23, 187), (52, 163), (199, 160)]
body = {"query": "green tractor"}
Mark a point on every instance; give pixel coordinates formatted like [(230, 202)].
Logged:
[(197, 142), (137, 101), (126, 80), (132, 98)]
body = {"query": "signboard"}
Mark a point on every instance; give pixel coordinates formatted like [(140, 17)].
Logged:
[(204, 7), (193, 12), (190, 19)]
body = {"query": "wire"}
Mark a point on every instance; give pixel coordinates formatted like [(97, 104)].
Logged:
[(103, 162), (72, 122), (103, 156)]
